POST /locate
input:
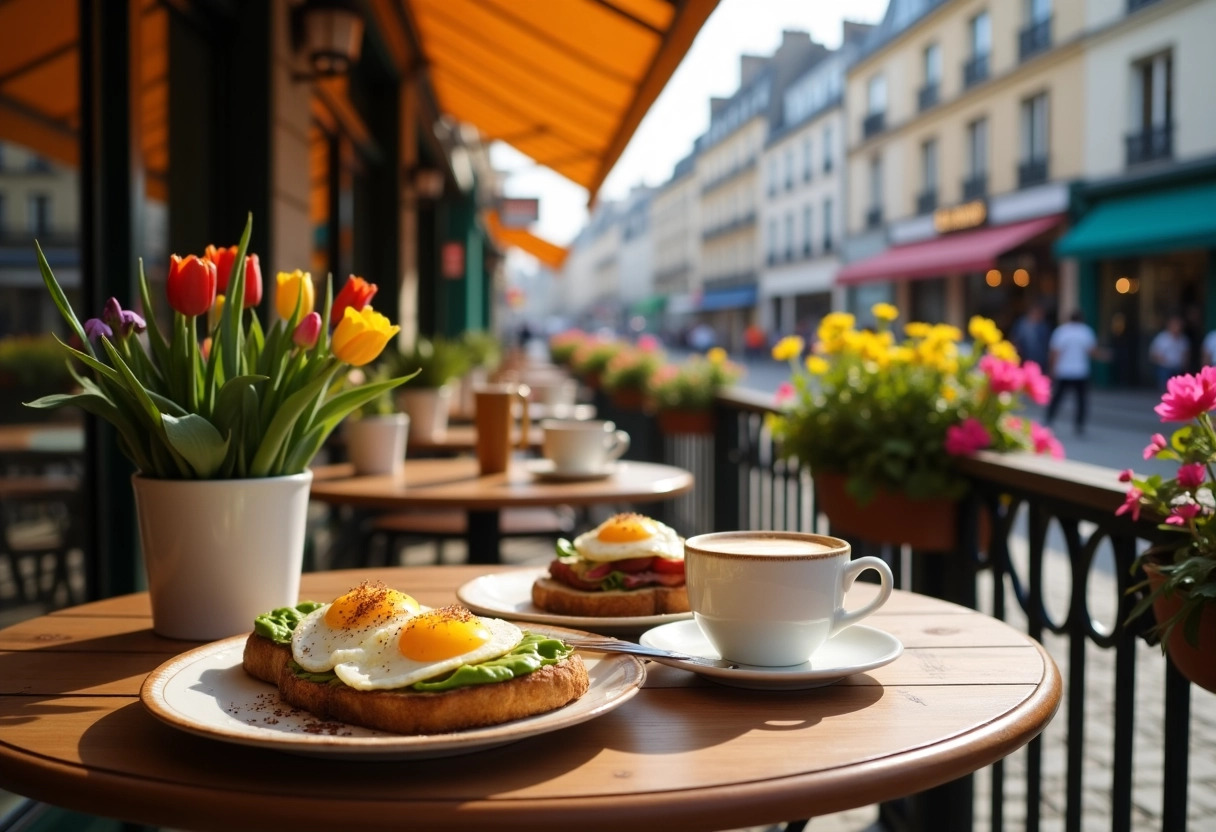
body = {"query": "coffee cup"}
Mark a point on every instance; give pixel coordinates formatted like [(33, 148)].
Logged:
[(493, 417), (773, 598), (582, 447)]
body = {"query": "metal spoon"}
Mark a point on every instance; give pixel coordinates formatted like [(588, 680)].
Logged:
[(603, 644)]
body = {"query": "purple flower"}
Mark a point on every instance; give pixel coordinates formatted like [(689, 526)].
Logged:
[(94, 328), (120, 320)]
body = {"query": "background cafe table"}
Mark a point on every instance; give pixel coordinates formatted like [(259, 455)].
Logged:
[(457, 483), (682, 754)]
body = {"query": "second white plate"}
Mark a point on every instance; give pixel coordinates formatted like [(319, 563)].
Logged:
[(509, 595)]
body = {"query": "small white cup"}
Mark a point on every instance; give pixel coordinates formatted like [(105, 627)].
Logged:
[(773, 598), (582, 447)]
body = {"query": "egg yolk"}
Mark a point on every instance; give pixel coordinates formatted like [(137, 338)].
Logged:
[(626, 528), (441, 634), (368, 604)]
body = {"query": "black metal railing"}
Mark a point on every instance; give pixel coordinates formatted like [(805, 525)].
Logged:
[(1050, 537), (926, 96), (975, 69), (1032, 172), (975, 186), (1151, 144), (1034, 39), (873, 124), (926, 201), (874, 218)]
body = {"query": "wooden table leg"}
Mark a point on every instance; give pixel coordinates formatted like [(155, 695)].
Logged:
[(484, 538)]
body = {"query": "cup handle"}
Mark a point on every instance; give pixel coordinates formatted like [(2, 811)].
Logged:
[(843, 618), (618, 443)]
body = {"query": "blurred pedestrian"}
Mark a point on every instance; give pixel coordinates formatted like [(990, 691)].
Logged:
[(1209, 349), (1169, 351), (1069, 352), (1031, 336)]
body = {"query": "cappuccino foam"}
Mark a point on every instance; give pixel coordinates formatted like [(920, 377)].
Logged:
[(766, 546)]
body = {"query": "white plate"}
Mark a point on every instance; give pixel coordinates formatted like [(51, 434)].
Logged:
[(509, 595), (854, 649), (543, 469), (207, 692)]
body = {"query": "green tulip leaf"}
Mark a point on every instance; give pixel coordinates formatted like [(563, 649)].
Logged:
[(197, 441)]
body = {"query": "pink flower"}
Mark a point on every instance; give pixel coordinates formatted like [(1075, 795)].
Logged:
[(1037, 385), (1003, 376), (1014, 423), (1191, 476), (1188, 396), (648, 343), (785, 392), (1131, 503), (1045, 441), (307, 331), (1181, 515), (1156, 443), (967, 438), (1126, 475)]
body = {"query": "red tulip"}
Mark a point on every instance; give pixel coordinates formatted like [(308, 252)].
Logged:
[(191, 285), (357, 293), (224, 258)]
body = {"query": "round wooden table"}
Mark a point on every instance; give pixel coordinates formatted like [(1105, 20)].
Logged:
[(463, 437), (682, 754), (457, 483)]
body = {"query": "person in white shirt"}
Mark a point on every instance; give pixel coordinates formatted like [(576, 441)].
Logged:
[(1070, 349), (1209, 349), (1169, 351)]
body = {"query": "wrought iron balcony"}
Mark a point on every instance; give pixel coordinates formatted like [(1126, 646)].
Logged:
[(926, 97), (874, 218), (975, 70), (976, 187), (926, 202), (1034, 39), (1032, 172), (874, 124), (1151, 144)]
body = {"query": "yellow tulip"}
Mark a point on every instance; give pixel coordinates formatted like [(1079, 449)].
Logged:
[(788, 347), (884, 311), (217, 309), (290, 286), (716, 355), (361, 336)]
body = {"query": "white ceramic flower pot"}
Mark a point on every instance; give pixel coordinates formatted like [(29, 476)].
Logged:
[(428, 410), (376, 444), (220, 552)]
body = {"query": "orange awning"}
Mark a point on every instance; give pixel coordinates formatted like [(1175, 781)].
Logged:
[(566, 83), (550, 254)]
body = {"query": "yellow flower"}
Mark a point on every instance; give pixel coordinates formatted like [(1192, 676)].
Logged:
[(361, 336), (716, 355), (946, 332), (917, 329), (834, 325), (949, 393), (788, 347), (984, 329), (1004, 350), (884, 311), (217, 309), (903, 355), (289, 287), (816, 365)]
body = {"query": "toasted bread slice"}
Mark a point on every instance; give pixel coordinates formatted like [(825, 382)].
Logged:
[(265, 660), (553, 596), (412, 712)]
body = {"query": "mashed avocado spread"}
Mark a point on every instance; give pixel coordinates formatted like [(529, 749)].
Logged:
[(278, 625)]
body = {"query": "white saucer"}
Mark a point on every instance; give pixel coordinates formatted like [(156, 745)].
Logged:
[(854, 649), (543, 469)]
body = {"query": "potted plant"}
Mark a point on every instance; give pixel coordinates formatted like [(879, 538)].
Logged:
[(627, 374), (685, 392), (591, 358), (483, 355), (881, 421), (375, 433), (563, 345), (221, 424), (1180, 574), (428, 400)]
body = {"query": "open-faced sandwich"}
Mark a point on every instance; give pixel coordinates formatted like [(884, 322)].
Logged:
[(375, 658), (630, 565)]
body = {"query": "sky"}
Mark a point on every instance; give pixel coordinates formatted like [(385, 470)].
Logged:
[(681, 112)]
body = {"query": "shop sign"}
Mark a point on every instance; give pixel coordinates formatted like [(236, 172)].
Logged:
[(518, 212), (452, 260), (960, 217)]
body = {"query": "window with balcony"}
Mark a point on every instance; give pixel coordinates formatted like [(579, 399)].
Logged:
[(874, 212), (772, 175), (976, 67), (926, 201), (1035, 34), (1152, 107), (39, 217), (772, 241), (827, 223), (807, 230), (827, 148), (975, 186), (1032, 169), (807, 155), (37, 164), (789, 168), (789, 235), (876, 106), (932, 62)]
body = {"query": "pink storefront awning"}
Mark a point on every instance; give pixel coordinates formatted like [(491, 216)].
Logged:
[(969, 251)]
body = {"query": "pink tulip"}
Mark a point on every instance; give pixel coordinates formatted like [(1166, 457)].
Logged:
[(307, 331)]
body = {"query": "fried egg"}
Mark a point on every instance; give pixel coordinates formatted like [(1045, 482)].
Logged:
[(625, 536), (327, 633), (426, 646)]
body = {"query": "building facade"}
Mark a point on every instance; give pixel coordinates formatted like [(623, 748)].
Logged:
[(676, 234)]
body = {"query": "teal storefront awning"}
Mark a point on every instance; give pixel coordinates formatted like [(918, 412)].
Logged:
[(650, 306), (737, 297), (1170, 219)]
